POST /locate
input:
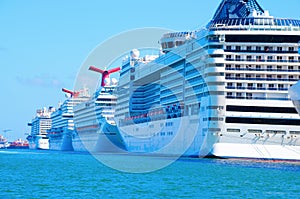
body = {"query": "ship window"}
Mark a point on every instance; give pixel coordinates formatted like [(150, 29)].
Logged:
[(238, 58), (291, 76), (258, 66), (291, 67), (279, 49), (229, 66), (258, 48), (254, 131), (291, 58), (228, 47), (239, 94), (295, 132), (279, 58), (249, 48), (280, 85), (249, 58), (279, 67), (259, 85), (178, 43), (238, 48), (269, 76), (228, 56), (215, 55), (270, 58), (249, 95), (164, 45), (256, 121), (291, 49), (238, 66), (258, 58), (229, 93), (214, 46), (234, 130), (269, 67), (271, 85), (279, 76), (170, 44)]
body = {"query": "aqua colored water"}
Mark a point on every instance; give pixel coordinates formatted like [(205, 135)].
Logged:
[(46, 174)]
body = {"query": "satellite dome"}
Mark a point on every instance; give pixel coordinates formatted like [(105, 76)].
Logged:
[(114, 81), (135, 53)]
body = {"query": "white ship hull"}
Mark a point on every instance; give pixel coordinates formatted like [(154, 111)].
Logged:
[(181, 137), (77, 144), (85, 141), (61, 143), (105, 139), (109, 139), (39, 142), (256, 151)]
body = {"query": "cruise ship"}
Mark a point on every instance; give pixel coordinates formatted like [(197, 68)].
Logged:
[(95, 128), (39, 125), (219, 91), (62, 129)]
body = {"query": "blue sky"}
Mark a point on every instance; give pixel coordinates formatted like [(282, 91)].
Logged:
[(44, 42)]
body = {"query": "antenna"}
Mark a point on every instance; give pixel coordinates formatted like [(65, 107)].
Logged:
[(105, 73)]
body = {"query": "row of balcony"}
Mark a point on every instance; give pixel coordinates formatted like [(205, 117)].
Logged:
[(261, 79), (263, 60), (255, 88), (261, 51), (257, 98), (260, 69)]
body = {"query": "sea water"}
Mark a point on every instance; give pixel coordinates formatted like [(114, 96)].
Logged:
[(49, 174)]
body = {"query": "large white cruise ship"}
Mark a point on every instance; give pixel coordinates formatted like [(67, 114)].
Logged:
[(95, 128), (61, 132), (39, 125), (220, 91)]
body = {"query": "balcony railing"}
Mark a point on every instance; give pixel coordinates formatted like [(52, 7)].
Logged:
[(255, 88), (262, 60), (257, 98), (262, 51), (262, 69), (261, 79)]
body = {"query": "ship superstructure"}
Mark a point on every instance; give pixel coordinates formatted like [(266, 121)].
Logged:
[(220, 91), (40, 124)]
